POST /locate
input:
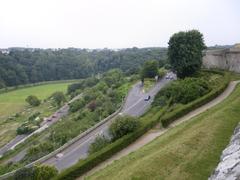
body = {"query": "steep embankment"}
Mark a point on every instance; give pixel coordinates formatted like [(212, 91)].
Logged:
[(189, 151)]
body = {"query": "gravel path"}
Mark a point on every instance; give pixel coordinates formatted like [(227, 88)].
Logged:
[(152, 134)]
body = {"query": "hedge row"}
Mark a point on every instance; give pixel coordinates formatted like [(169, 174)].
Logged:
[(147, 122)]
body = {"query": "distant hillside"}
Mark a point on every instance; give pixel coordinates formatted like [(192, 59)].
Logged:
[(28, 65)]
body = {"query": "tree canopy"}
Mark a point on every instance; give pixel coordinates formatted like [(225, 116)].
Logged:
[(22, 66), (122, 126), (150, 69), (33, 100), (185, 52)]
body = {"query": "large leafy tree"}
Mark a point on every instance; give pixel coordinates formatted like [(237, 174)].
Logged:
[(150, 69), (185, 52)]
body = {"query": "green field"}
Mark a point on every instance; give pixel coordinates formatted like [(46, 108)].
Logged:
[(14, 101), (189, 151)]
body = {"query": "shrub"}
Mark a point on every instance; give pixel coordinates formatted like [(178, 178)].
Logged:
[(33, 100), (99, 143), (26, 129), (73, 87), (171, 116), (182, 91), (76, 105), (122, 126), (44, 172), (92, 105), (58, 97), (24, 174), (37, 151)]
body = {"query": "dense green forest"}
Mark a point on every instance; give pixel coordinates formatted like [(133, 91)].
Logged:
[(22, 66)]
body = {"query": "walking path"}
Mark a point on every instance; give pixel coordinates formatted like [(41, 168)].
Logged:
[(152, 134)]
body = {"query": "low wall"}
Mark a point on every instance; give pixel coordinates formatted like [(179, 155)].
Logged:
[(226, 59)]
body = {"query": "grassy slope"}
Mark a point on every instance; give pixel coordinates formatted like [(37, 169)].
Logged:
[(14, 101), (189, 151)]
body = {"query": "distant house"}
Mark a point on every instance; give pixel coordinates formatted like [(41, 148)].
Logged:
[(5, 51)]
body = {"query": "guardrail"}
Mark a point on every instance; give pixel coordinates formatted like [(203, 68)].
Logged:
[(72, 141)]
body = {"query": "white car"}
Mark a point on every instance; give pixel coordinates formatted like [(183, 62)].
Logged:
[(59, 155)]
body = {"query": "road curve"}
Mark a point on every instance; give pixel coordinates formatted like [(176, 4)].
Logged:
[(63, 111), (152, 134), (134, 106)]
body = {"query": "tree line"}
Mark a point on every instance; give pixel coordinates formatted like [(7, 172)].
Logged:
[(27, 66)]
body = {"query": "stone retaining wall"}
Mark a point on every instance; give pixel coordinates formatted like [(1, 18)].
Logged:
[(229, 166), (226, 59)]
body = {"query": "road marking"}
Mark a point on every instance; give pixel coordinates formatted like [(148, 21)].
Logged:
[(67, 154), (133, 105)]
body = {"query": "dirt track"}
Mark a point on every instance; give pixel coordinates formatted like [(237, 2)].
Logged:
[(152, 134)]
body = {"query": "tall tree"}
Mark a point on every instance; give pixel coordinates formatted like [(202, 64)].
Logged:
[(185, 52), (150, 69)]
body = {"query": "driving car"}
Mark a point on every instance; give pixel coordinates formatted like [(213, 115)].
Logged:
[(147, 98)]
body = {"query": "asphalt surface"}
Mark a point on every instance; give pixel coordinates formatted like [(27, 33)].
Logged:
[(63, 111), (135, 105)]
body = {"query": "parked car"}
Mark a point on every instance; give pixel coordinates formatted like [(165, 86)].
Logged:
[(54, 116), (49, 119)]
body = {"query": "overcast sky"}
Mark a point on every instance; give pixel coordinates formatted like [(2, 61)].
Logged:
[(115, 23)]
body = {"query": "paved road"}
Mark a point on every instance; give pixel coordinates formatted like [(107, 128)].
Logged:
[(152, 134), (134, 106), (63, 111)]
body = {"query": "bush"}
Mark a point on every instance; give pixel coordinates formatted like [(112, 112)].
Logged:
[(58, 97), (99, 143), (76, 105), (183, 91), (26, 129), (33, 100), (122, 126), (73, 87), (42, 172), (171, 116), (37, 151), (24, 174)]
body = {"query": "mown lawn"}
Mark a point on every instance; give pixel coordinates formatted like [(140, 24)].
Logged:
[(189, 151), (14, 101)]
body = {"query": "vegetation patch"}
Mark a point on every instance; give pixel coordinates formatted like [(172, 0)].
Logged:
[(14, 110), (96, 102)]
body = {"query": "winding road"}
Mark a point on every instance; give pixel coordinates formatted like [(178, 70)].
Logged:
[(152, 134), (135, 105)]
